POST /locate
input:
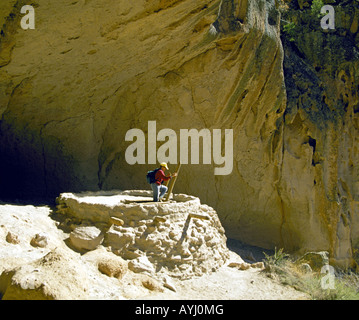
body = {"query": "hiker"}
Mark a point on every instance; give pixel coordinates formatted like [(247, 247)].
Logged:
[(159, 190)]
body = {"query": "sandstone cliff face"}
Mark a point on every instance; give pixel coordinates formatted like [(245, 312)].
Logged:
[(320, 135), (90, 71)]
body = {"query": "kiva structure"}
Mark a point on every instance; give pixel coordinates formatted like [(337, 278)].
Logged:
[(181, 237)]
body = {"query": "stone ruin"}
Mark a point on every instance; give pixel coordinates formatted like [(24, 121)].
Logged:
[(181, 238)]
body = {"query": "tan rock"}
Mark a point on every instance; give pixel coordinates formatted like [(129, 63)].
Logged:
[(244, 266), (116, 221), (149, 283), (169, 283), (259, 265), (39, 240), (159, 220), (120, 238), (113, 267), (316, 260), (107, 262), (240, 265), (86, 238), (12, 238), (141, 264), (234, 264)]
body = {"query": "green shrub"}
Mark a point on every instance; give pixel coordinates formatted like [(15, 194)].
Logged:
[(316, 7), (289, 30)]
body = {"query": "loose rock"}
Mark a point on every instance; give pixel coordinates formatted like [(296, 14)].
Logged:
[(141, 264), (113, 267), (169, 284), (149, 283), (86, 238), (116, 221), (39, 240), (12, 238)]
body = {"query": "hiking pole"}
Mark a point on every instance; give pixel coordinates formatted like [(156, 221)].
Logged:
[(167, 182), (172, 182)]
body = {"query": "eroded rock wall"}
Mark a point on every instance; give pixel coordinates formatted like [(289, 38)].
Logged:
[(320, 164), (80, 81)]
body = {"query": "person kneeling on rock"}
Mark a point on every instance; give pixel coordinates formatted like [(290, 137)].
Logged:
[(158, 188)]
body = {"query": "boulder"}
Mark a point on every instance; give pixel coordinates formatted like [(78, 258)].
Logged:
[(86, 238), (141, 265), (113, 267), (316, 260), (107, 262)]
